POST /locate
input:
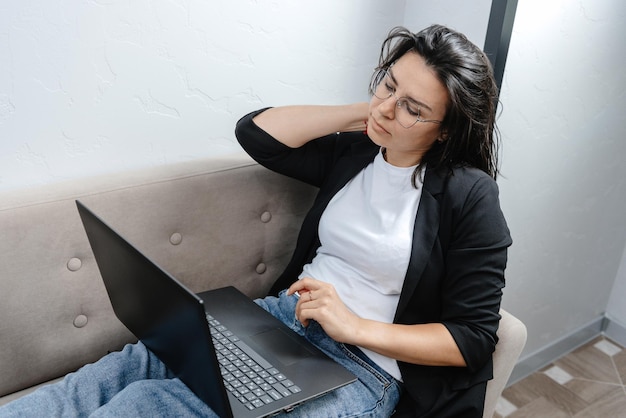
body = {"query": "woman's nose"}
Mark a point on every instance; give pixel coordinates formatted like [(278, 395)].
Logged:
[(387, 107)]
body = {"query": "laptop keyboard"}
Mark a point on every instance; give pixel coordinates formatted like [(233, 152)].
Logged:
[(247, 376)]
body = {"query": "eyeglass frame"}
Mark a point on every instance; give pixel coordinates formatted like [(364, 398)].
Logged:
[(382, 74)]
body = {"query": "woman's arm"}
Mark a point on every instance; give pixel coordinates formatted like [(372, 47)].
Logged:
[(294, 126), (302, 142), (425, 344)]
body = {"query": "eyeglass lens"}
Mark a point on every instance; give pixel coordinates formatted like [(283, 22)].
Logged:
[(406, 113)]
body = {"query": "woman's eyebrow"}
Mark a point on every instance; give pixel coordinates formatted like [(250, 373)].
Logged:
[(409, 98)]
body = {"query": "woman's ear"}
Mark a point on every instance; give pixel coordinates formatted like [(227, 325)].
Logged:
[(443, 136)]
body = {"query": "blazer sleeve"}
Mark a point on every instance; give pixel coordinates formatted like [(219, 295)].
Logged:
[(475, 262), (308, 163)]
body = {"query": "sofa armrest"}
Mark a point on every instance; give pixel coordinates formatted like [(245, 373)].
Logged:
[(512, 338)]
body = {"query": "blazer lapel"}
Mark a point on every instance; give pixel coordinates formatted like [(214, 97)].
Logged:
[(425, 234)]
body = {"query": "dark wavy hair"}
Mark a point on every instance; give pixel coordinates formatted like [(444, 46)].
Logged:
[(472, 138)]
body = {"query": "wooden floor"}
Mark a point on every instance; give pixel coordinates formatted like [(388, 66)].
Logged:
[(589, 382)]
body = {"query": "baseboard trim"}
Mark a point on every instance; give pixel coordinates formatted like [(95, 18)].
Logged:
[(615, 331), (541, 358)]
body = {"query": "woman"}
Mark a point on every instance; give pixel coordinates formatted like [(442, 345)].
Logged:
[(399, 265), (404, 250)]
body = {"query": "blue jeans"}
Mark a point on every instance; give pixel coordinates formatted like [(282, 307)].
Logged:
[(134, 382)]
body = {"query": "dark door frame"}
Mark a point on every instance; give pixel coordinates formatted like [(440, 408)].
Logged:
[(498, 36)]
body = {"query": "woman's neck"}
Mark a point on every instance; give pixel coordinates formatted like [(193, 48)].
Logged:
[(402, 160)]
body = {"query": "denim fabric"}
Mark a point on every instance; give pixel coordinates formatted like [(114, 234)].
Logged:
[(131, 382), (375, 393), (134, 382)]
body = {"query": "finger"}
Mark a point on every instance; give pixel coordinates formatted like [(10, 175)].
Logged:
[(297, 288), (298, 312), (302, 316), (309, 283)]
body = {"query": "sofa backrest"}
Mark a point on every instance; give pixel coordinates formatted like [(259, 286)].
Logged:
[(210, 223)]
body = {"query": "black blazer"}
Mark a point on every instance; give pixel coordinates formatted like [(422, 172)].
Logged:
[(456, 269)]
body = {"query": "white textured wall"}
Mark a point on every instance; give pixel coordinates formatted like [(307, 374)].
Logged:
[(616, 310), (470, 18), (564, 184), (97, 86), (105, 85)]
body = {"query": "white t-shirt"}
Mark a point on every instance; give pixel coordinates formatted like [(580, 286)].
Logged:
[(366, 233)]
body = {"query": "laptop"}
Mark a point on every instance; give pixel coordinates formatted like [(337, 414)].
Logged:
[(235, 356)]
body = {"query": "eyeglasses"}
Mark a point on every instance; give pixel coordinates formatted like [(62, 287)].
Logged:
[(406, 111)]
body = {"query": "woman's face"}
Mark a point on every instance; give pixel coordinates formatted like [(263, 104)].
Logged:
[(419, 91)]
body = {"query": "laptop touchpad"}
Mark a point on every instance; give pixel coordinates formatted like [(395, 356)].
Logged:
[(282, 346)]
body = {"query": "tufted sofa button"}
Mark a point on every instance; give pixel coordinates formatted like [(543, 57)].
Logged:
[(261, 268), (80, 321), (176, 238), (266, 217), (74, 264)]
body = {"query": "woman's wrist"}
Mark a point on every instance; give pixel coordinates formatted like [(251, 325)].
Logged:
[(359, 113)]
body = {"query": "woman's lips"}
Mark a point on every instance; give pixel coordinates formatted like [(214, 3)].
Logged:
[(376, 126)]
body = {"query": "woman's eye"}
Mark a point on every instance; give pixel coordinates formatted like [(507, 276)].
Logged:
[(413, 111), (389, 88)]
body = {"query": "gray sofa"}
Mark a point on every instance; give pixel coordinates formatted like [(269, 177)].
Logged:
[(210, 223)]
